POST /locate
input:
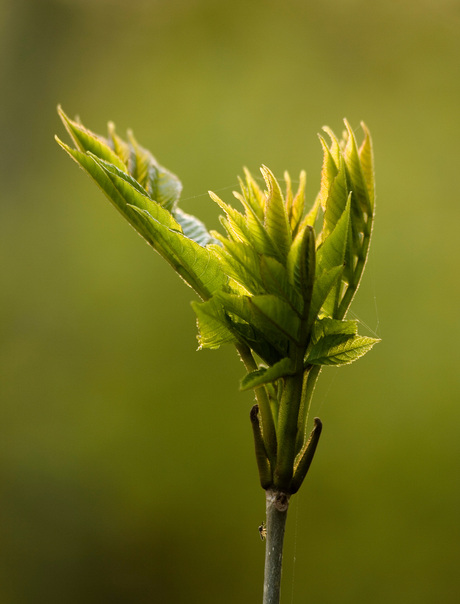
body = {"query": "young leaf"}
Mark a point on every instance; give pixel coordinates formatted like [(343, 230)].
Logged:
[(323, 285), (198, 266), (289, 197), (276, 281), (298, 204), (193, 228), (262, 326), (111, 169), (339, 349), (213, 325), (94, 170), (249, 200), (162, 185), (353, 163), (335, 147), (85, 141), (255, 195), (259, 342), (241, 263), (260, 238), (328, 173), (331, 252), (266, 375), (276, 314), (327, 327), (360, 177), (336, 200), (276, 220), (234, 222), (367, 163), (122, 149), (301, 265)]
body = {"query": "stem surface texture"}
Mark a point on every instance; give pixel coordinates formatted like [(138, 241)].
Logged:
[(277, 503)]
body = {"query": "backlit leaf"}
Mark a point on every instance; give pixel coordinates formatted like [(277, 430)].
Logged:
[(276, 220), (241, 262), (276, 281), (198, 266), (301, 264), (367, 163), (258, 316), (277, 313), (298, 204), (339, 349), (353, 163), (212, 324), (331, 252), (193, 228), (85, 140), (321, 289), (266, 375)]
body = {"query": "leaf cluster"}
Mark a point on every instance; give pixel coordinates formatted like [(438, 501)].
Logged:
[(277, 282)]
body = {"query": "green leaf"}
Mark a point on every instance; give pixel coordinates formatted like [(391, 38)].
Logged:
[(241, 263), (234, 222), (101, 177), (162, 185), (301, 265), (276, 314), (111, 169), (331, 252), (198, 266), (328, 173), (193, 228), (266, 375), (122, 149), (367, 163), (129, 193), (276, 220), (263, 316), (298, 204), (212, 324), (353, 163), (85, 141), (335, 147), (336, 201), (327, 326), (259, 237), (339, 349), (259, 342), (276, 281), (253, 196), (361, 182), (321, 289), (238, 229), (289, 197)]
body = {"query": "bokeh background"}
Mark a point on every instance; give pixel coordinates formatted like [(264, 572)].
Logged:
[(126, 457)]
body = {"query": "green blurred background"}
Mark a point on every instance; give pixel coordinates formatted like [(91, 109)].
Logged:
[(126, 460)]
